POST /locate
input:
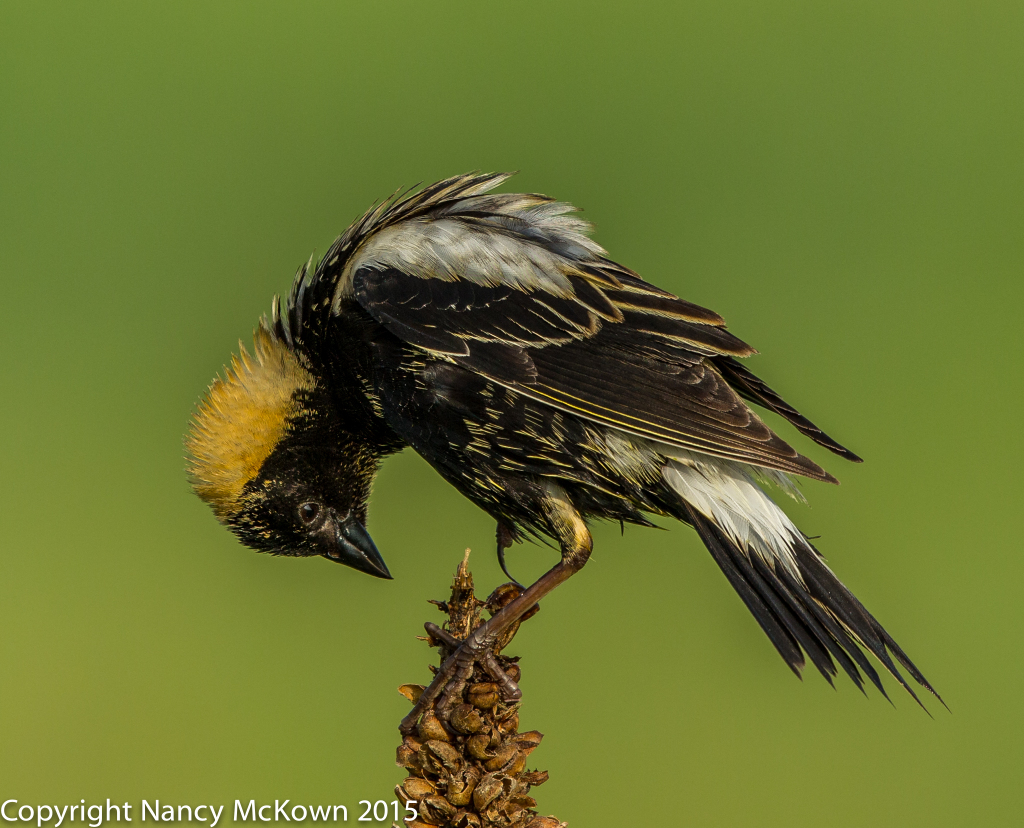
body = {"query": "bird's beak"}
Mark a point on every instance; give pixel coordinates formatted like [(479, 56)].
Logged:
[(354, 547)]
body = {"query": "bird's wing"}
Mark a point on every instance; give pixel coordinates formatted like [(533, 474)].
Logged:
[(509, 286)]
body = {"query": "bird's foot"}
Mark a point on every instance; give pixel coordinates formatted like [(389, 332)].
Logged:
[(492, 635), (481, 647), (466, 655)]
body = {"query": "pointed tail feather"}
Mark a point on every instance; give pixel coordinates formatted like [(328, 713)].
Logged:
[(809, 612)]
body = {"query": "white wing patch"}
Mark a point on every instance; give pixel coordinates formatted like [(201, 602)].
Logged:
[(726, 492), (514, 239)]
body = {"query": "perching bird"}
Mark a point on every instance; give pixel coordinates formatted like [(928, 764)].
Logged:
[(548, 384)]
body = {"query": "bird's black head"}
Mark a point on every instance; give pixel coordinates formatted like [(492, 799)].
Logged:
[(309, 498), (276, 463)]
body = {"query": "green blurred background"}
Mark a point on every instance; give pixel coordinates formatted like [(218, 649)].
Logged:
[(843, 182)]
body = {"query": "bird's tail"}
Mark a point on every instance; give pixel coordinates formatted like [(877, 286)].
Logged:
[(798, 601)]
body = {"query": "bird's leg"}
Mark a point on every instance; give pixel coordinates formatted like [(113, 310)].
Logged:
[(476, 646), (505, 538), (576, 543)]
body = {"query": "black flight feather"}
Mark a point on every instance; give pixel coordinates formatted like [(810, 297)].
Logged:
[(752, 388)]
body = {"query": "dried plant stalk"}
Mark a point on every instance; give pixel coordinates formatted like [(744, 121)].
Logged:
[(467, 759)]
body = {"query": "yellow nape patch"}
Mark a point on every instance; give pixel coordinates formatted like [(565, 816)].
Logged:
[(241, 420)]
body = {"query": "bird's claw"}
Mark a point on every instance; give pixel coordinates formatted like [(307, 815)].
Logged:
[(504, 568), (451, 677)]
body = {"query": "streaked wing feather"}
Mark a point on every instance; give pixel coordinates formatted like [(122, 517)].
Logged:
[(687, 406), (647, 374), (657, 303)]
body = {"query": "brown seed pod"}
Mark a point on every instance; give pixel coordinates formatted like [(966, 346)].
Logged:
[(466, 820), (493, 816), (479, 746), (465, 719), (430, 727), (447, 755), (517, 766), (412, 691), (436, 810), (483, 696), (503, 756), (405, 757), (415, 788), (534, 778), (529, 741), (461, 786), (427, 764), (509, 724), (512, 811), (502, 597), (487, 790)]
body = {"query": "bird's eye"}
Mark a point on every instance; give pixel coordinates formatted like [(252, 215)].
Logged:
[(309, 512)]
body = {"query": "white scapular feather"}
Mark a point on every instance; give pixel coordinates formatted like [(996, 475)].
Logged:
[(727, 493), (525, 241)]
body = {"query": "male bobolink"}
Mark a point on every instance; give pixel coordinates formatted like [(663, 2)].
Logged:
[(548, 384)]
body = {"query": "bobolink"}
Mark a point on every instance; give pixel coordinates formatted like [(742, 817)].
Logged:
[(547, 383)]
